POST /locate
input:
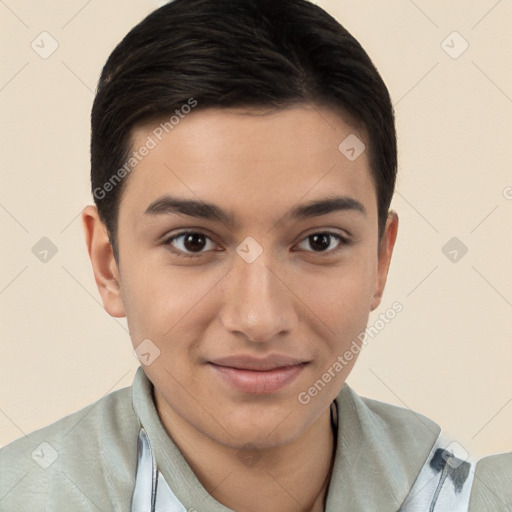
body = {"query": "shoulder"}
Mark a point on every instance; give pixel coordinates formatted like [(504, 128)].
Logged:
[(492, 487), (410, 435), (52, 466)]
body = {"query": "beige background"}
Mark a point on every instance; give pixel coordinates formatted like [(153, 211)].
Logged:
[(447, 354)]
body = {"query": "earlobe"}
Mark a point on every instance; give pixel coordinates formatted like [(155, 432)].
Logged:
[(385, 252), (104, 266)]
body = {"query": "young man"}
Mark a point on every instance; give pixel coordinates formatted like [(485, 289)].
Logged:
[(243, 162)]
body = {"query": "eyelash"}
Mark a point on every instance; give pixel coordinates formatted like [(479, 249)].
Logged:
[(343, 242)]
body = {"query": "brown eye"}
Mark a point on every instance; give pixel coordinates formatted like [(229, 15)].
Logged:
[(323, 241), (189, 243)]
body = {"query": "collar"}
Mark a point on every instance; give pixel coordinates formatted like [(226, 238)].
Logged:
[(379, 453)]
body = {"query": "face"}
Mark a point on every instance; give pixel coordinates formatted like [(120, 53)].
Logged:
[(249, 258)]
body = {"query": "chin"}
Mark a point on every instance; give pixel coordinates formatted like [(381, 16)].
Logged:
[(263, 431)]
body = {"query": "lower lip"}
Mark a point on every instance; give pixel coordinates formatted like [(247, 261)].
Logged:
[(258, 382)]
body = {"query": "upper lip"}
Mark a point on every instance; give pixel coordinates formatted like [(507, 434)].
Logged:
[(245, 362)]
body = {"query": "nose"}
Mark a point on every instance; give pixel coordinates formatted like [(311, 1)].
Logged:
[(258, 303)]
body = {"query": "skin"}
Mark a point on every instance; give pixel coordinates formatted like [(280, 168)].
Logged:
[(295, 299)]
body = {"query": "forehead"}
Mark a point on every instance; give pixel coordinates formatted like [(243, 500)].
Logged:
[(255, 163)]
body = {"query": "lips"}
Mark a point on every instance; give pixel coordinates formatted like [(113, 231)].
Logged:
[(252, 375)]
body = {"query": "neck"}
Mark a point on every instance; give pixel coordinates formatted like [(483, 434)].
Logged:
[(292, 477)]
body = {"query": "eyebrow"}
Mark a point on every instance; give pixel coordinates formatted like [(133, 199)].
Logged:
[(167, 205)]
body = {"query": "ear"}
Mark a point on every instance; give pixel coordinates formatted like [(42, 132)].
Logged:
[(385, 251), (104, 266)]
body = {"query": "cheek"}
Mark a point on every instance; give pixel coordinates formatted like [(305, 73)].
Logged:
[(342, 297), (161, 301), (148, 299)]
